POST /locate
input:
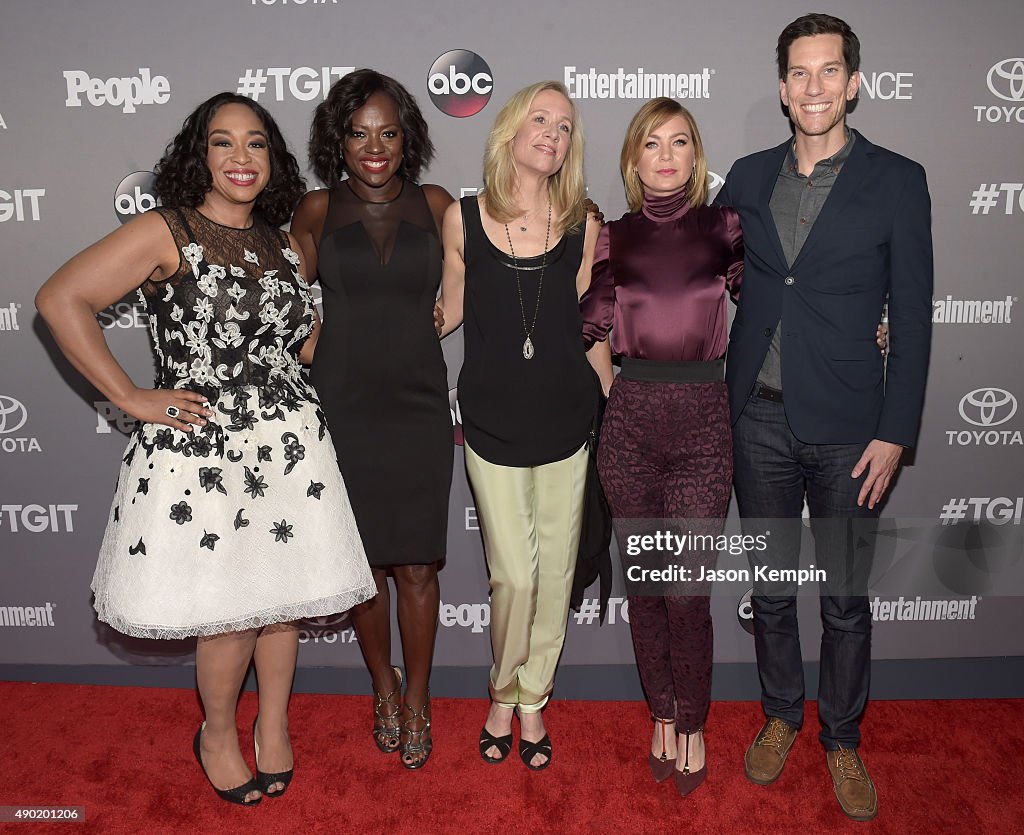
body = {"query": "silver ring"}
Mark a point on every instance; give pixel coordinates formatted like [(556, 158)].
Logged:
[(172, 411)]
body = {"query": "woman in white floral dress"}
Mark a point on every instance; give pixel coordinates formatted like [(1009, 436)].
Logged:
[(230, 517)]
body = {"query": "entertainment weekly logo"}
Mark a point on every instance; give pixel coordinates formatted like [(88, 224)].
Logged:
[(9, 317), (21, 204), (21, 616), (128, 92), (950, 311), (918, 609), (1005, 81), (13, 417), (300, 83), (985, 409), (638, 84)]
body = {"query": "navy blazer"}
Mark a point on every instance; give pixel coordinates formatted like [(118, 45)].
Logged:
[(872, 242)]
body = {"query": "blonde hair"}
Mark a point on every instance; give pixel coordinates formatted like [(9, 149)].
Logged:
[(648, 119), (566, 187)]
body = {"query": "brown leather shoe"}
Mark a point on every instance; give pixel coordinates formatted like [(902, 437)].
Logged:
[(767, 753), (853, 787)]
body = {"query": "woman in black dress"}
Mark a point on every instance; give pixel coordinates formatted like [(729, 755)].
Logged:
[(373, 239)]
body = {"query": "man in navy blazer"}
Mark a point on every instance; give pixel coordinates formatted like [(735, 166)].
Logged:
[(834, 227)]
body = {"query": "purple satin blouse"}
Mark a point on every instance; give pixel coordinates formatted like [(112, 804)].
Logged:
[(660, 279)]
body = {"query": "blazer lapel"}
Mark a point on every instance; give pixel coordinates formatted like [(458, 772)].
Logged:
[(850, 179), (769, 176)]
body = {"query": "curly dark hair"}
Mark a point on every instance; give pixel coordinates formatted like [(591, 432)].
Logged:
[(183, 178), (332, 120)]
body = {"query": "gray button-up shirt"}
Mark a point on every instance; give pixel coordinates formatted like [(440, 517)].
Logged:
[(796, 203)]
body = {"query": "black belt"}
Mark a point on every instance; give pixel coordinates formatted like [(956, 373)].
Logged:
[(767, 393), (660, 371)]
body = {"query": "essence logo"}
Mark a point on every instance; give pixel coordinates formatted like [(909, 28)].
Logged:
[(460, 83), (1006, 79), (988, 407), (134, 195)]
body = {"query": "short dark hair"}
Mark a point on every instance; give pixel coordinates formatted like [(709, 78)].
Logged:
[(818, 24), (183, 177), (332, 120)]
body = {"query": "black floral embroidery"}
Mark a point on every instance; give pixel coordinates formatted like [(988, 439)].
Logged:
[(234, 456), (239, 521), (117, 513), (263, 452), (143, 486), (255, 485), (208, 540), (139, 548), (315, 489), (199, 446), (164, 439), (210, 478), (294, 452), (181, 512), (282, 531), (242, 418)]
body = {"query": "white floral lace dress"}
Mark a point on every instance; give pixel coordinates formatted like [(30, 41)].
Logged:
[(244, 522)]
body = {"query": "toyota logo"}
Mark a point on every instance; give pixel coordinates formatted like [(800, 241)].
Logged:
[(335, 621), (1008, 77), (988, 407), (12, 415)]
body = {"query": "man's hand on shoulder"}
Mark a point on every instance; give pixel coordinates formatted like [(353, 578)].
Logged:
[(881, 459)]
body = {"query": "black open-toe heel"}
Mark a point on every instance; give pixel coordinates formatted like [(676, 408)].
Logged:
[(235, 795), (489, 740), (686, 780), (528, 750), (662, 767), (416, 751), (266, 779), (386, 729)]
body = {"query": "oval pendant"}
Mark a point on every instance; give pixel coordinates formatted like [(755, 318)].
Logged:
[(528, 349)]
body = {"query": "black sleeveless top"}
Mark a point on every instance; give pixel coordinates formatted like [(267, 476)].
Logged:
[(520, 412)]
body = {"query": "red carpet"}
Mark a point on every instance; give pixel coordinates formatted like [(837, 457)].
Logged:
[(124, 754)]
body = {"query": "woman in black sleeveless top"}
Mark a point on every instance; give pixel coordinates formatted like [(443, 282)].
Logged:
[(373, 240), (514, 268)]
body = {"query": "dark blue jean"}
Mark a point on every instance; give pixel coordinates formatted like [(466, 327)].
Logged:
[(772, 473)]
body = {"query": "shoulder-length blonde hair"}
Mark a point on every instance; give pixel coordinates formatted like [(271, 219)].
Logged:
[(566, 187), (648, 119)]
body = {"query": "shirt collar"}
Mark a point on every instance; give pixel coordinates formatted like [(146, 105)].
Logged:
[(835, 162)]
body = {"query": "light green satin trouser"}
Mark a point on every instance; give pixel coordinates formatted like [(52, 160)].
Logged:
[(530, 520)]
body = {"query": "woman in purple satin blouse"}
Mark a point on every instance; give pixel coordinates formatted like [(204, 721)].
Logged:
[(658, 300)]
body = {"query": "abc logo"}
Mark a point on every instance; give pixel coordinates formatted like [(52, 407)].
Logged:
[(745, 612), (134, 195), (460, 83)]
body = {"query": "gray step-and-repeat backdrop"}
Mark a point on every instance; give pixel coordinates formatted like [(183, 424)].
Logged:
[(93, 91)]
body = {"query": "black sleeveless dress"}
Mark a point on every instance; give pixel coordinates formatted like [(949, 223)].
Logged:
[(380, 373)]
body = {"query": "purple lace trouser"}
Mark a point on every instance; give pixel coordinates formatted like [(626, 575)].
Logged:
[(666, 454)]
